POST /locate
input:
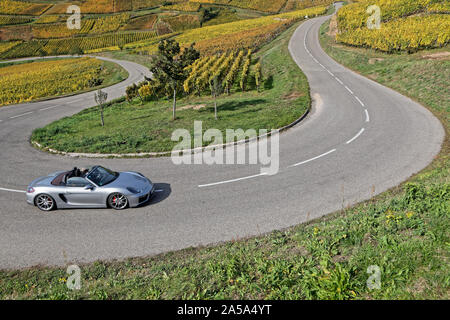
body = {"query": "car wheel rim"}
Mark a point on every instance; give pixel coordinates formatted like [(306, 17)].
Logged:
[(118, 201), (44, 202)]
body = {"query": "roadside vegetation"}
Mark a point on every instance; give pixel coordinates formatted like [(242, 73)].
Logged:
[(406, 25), (404, 231), (25, 81)]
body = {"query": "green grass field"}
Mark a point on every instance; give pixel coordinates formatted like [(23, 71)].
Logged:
[(404, 231), (136, 127)]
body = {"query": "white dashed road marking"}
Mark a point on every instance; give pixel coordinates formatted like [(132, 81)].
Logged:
[(233, 180), (21, 115), (360, 102), (312, 159), (348, 89), (48, 108), (357, 135)]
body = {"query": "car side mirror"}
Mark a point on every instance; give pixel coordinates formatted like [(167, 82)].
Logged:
[(89, 187)]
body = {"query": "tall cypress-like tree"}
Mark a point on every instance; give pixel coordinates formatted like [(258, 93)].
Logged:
[(169, 66)]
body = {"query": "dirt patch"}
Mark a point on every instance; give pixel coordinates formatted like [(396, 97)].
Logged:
[(163, 28), (438, 56), (373, 60), (367, 239), (293, 95), (16, 32), (419, 286), (333, 26), (340, 258), (193, 107)]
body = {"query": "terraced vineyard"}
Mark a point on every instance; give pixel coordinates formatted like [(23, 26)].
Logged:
[(184, 6), (227, 66), (75, 45), (243, 34), (9, 20), (273, 6), (5, 46), (141, 23), (108, 25), (302, 4), (22, 8), (406, 25), (182, 22), (28, 81)]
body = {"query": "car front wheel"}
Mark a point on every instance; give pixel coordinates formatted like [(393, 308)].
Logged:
[(45, 202), (117, 201)]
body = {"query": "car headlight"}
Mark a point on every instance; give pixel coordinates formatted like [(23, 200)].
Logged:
[(132, 190)]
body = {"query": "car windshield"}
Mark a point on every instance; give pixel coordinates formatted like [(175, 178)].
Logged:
[(102, 176)]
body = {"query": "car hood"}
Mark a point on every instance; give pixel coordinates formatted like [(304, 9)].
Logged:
[(131, 179), (42, 181)]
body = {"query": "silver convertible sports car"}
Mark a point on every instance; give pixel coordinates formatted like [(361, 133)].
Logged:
[(96, 187)]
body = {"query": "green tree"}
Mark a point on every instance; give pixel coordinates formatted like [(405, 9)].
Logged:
[(100, 99), (131, 92), (76, 50), (169, 66)]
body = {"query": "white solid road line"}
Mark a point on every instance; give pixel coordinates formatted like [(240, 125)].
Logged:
[(339, 80), (357, 135), (12, 190), (21, 115), (309, 160), (367, 115), (233, 180)]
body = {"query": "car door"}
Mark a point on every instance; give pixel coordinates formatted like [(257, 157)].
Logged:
[(80, 192)]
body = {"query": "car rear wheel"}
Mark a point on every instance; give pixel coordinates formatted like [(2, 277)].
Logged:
[(45, 202), (117, 201)]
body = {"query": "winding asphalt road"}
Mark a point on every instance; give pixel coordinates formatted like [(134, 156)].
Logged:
[(360, 139)]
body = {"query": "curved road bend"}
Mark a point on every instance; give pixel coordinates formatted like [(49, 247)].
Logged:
[(359, 137)]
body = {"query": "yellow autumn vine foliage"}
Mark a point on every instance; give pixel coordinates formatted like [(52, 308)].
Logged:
[(183, 6), (406, 25), (410, 34), (272, 6), (29, 81), (239, 34), (5, 46), (21, 7)]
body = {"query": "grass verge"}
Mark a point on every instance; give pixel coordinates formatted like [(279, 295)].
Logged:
[(405, 232), (136, 127)]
